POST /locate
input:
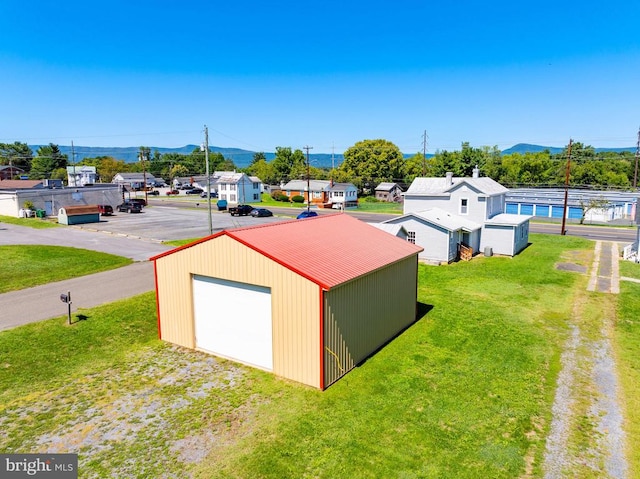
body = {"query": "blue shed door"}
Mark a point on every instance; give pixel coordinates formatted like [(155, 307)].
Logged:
[(526, 209), (512, 208), (542, 210), (575, 213), (556, 211)]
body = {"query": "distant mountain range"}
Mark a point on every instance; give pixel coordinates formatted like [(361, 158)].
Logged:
[(243, 158), (527, 148)]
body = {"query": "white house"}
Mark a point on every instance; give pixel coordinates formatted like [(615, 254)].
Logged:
[(469, 210), (440, 233), (135, 181), (81, 175), (324, 193), (238, 188)]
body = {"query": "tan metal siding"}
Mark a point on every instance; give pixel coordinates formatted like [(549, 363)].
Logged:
[(362, 315), (295, 301)]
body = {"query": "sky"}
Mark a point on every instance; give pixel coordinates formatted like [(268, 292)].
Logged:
[(324, 74)]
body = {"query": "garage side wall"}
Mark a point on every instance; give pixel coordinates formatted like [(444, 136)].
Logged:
[(500, 238), (362, 315), (295, 301)]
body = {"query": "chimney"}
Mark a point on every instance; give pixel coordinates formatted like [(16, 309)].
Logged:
[(449, 178), (476, 172)]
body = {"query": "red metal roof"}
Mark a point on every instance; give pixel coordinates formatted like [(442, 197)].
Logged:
[(328, 249)]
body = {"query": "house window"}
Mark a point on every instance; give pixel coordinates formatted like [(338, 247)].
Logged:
[(317, 194), (255, 197), (232, 187), (255, 186), (411, 237), (232, 198), (464, 206)]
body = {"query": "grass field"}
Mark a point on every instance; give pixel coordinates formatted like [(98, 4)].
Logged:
[(465, 392), (31, 222), (24, 266), (627, 335)]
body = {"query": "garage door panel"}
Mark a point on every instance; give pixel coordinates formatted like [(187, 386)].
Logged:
[(233, 320)]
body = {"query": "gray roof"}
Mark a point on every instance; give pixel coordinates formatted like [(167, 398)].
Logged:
[(441, 186), (314, 185), (385, 186), (443, 219), (507, 219), (393, 229)]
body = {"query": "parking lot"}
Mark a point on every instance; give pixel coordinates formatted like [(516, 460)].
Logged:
[(162, 223)]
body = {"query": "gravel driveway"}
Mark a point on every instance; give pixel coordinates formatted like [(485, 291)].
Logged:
[(589, 377)]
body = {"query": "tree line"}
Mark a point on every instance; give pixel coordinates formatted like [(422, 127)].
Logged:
[(365, 164)]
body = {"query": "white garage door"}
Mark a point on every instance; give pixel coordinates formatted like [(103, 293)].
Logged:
[(233, 320)]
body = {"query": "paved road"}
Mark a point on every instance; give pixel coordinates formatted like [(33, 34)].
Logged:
[(43, 302)]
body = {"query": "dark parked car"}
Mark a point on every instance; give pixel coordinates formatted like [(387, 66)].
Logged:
[(153, 192), (138, 201), (204, 194), (194, 191), (241, 210), (129, 207), (260, 212), (306, 214), (105, 210)]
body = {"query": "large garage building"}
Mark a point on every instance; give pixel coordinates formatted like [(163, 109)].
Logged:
[(305, 299)]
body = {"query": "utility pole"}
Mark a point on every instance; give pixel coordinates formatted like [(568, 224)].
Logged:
[(424, 153), (73, 160), (143, 158), (635, 173), (308, 176), (566, 188), (206, 160)]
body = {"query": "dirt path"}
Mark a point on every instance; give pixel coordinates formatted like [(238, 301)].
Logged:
[(586, 437)]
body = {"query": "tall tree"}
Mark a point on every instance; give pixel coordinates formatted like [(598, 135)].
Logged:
[(16, 154), (288, 164), (373, 161), (48, 159)]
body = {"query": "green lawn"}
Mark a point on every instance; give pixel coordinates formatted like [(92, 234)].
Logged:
[(30, 222), (24, 266), (465, 392), (627, 339)]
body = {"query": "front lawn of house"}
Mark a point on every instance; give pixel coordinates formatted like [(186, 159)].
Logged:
[(465, 392)]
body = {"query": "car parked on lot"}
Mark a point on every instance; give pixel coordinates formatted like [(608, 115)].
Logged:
[(213, 194), (260, 213), (306, 214), (129, 207), (105, 210), (172, 192), (241, 210), (153, 192), (194, 191)]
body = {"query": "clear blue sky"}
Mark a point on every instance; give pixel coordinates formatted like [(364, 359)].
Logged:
[(320, 73)]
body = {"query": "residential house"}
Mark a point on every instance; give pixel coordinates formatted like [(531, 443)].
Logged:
[(134, 181), (388, 192), (439, 233), (238, 188), (324, 193), (471, 213), (8, 172), (78, 176)]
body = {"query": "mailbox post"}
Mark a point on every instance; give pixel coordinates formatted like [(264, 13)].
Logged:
[(66, 298)]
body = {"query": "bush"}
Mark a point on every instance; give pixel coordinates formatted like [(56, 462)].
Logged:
[(298, 199), (28, 205), (278, 195)]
